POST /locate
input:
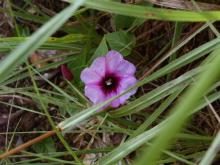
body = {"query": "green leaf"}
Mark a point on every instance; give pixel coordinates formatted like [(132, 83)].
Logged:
[(120, 41), (101, 50), (123, 22), (45, 146)]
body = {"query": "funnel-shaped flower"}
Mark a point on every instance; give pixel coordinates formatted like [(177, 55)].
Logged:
[(107, 77)]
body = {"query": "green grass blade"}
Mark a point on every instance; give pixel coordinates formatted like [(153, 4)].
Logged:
[(181, 112), (20, 54), (50, 158), (134, 143), (176, 36), (156, 114), (151, 12), (212, 151), (157, 94)]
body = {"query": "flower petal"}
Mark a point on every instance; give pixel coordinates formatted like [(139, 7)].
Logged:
[(89, 76), (124, 85), (125, 68), (94, 93), (99, 65), (115, 103), (113, 58)]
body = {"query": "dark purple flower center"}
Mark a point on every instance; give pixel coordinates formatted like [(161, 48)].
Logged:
[(109, 83)]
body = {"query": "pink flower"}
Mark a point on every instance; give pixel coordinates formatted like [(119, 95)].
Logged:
[(107, 77)]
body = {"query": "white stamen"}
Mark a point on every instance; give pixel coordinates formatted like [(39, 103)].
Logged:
[(108, 82)]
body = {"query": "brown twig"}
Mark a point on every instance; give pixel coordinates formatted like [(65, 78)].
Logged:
[(27, 144)]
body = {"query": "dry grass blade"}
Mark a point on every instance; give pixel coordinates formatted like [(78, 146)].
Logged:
[(183, 4)]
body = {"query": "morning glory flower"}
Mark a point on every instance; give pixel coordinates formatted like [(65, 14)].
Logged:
[(107, 77)]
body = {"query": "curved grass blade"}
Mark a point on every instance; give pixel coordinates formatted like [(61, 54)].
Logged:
[(181, 112), (134, 143), (52, 43), (157, 94), (178, 63), (19, 55), (152, 12), (212, 151), (164, 105)]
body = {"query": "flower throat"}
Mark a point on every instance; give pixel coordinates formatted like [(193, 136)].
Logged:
[(110, 83)]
